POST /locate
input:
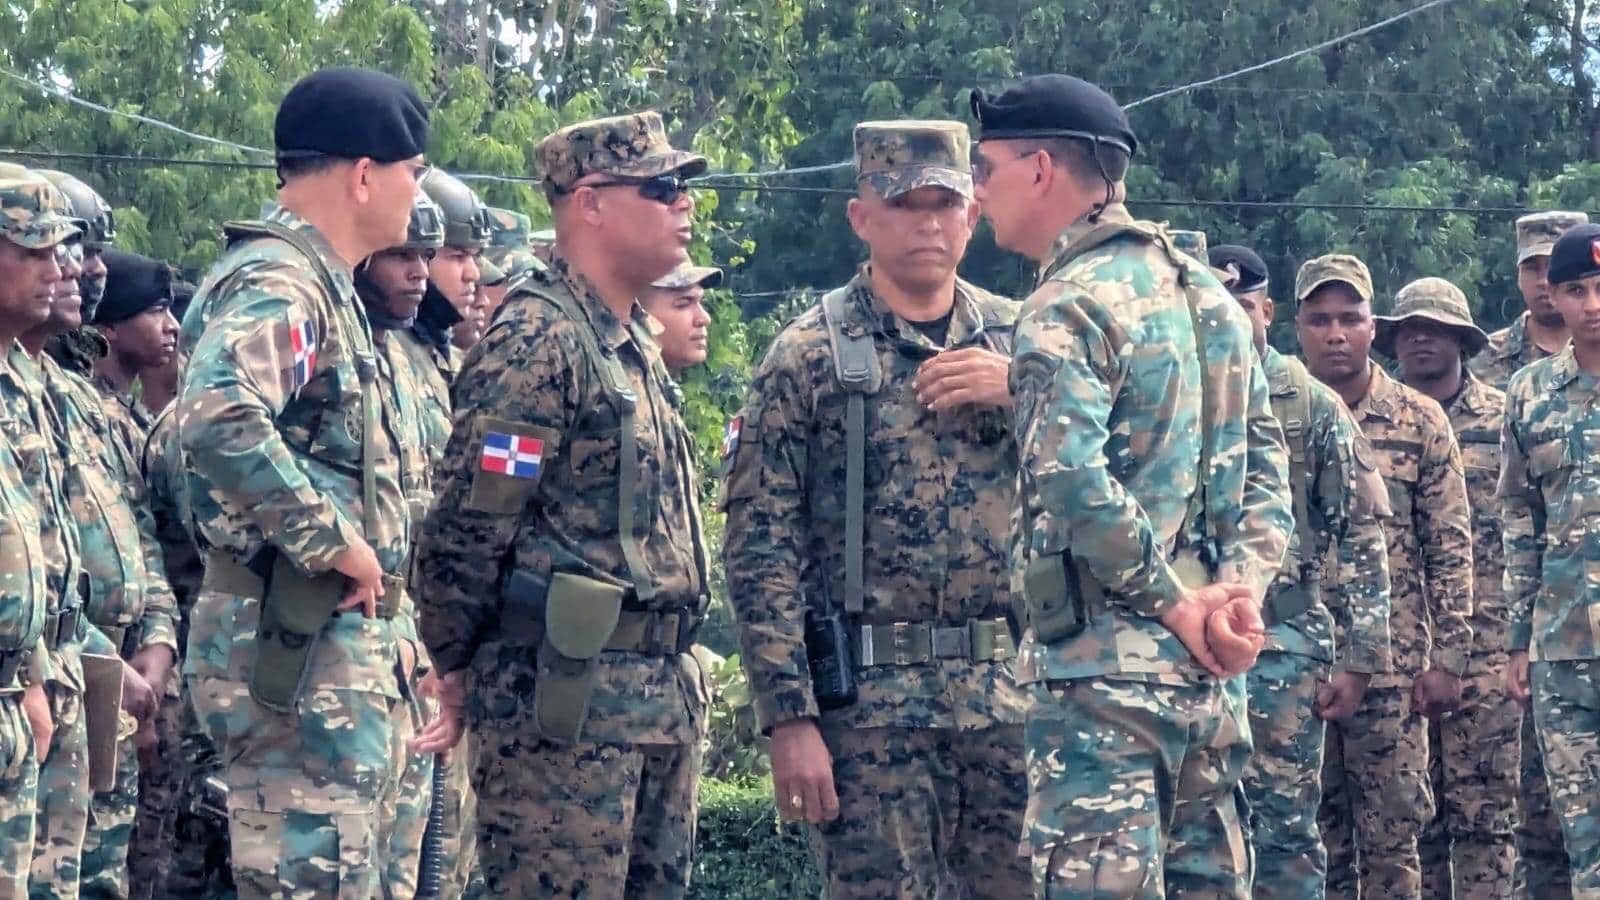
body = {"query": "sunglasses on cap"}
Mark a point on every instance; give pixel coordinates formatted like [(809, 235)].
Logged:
[(663, 189)]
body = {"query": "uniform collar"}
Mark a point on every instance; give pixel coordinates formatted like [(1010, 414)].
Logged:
[(1516, 338), (1474, 396), (1071, 242), (613, 333), (867, 312), (1383, 395), (1564, 368)]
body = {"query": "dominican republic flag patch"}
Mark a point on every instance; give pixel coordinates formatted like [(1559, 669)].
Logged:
[(303, 342), (730, 436), (509, 454)]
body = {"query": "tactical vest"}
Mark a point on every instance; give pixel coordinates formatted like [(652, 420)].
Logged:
[(1290, 389)]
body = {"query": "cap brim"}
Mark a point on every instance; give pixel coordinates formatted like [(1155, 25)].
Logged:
[(1311, 288), (1473, 338), (677, 162), (694, 276), (1541, 249), (44, 231), (891, 183)]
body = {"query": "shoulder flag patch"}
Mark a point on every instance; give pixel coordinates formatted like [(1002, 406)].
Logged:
[(730, 436), (510, 454), (303, 342)]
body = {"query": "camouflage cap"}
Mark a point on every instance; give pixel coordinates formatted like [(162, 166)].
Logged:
[(514, 261), (508, 228), (1190, 242), (689, 275), (33, 212), (1340, 267), (631, 146), (1435, 300), (1538, 232), (490, 274), (905, 154)]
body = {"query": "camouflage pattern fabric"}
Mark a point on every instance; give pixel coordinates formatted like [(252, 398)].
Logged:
[(924, 812), (899, 156), (1284, 778), (1565, 698), (19, 786), (938, 500), (31, 212), (1106, 378), (630, 146), (1509, 350), (531, 378), (603, 821), (270, 427), (1543, 871), (940, 489), (1468, 851), (62, 804), (1546, 479), (1379, 759), (509, 246), (1538, 232), (431, 373)]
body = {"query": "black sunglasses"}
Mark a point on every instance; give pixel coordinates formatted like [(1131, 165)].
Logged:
[(663, 189)]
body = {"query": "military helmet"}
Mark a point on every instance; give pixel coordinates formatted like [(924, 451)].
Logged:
[(425, 231), (88, 205), (466, 219)]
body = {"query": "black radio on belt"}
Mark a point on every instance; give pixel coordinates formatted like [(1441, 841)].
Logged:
[(833, 672)]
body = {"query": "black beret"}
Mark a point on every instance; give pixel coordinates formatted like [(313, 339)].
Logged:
[(1250, 269), (1576, 254), (1053, 106), (350, 114), (134, 283)]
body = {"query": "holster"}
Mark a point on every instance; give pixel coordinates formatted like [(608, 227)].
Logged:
[(294, 608), (1053, 598), (833, 670), (568, 620)]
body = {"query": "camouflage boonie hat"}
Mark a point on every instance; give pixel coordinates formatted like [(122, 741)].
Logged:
[(1190, 242), (1331, 268), (1538, 232), (1435, 300), (33, 212), (631, 146), (689, 275), (901, 155)]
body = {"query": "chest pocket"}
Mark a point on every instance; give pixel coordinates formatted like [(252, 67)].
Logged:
[(109, 537), (22, 583), (329, 415), (1400, 462)]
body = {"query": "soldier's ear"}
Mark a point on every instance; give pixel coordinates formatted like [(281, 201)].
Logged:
[(859, 216)]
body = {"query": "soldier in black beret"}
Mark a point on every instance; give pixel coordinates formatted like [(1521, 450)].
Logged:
[(1138, 610), (135, 318)]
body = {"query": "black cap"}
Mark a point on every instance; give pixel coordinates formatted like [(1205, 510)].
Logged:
[(350, 114), (1576, 254), (182, 293), (134, 283), (1053, 106), (1249, 270)]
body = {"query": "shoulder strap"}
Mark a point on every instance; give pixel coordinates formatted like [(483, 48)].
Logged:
[(856, 365), (1291, 403), (614, 382), (366, 366)]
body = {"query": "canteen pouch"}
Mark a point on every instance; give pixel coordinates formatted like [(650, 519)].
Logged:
[(580, 615), (1054, 601), (294, 610), (833, 678)]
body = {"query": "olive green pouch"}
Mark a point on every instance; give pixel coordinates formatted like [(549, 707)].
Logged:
[(293, 613), (580, 615), (1055, 605)]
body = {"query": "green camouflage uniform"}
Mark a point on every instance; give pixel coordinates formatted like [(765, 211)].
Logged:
[(1134, 753), (927, 762), (34, 555), (1376, 795), (509, 246), (1468, 851), (513, 564), (270, 420), (1345, 628), (1547, 490), (1542, 864)]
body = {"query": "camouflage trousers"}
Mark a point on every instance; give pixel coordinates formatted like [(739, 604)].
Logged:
[(924, 813), (457, 857), (1134, 789), (1376, 798), (306, 789), (19, 785), (63, 801), (459, 841), (160, 787), (1566, 709), (1468, 851), (199, 865), (1543, 870), (1283, 780), (585, 820), (407, 808), (110, 832)]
